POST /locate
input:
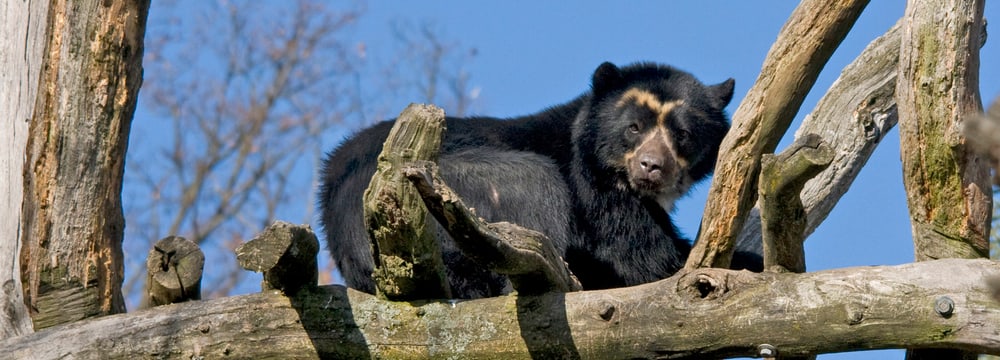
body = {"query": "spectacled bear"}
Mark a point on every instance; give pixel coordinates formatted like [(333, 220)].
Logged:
[(598, 175)]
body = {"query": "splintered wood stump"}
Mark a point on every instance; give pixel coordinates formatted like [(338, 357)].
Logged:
[(408, 263), (285, 254), (173, 271)]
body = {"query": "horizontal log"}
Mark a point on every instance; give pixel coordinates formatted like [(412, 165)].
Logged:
[(705, 313)]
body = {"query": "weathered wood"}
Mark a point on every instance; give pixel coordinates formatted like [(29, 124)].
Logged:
[(853, 116), (173, 271), (709, 313), (805, 43), (285, 254), (408, 262), (947, 185), (22, 39), (72, 221), (526, 256), (783, 218)]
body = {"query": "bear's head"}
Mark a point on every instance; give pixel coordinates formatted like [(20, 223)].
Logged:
[(651, 129)]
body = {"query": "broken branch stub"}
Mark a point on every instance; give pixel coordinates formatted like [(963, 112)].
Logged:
[(285, 254), (173, 271), (408, 263), (783, 217), (526, 256)]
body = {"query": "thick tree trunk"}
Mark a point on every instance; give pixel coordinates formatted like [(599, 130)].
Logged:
[(709, 313), (72, 221), (805, 43), (22, 39), (947, 185)]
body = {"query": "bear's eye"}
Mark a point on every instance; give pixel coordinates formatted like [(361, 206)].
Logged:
[(633, 128), (682, 134)]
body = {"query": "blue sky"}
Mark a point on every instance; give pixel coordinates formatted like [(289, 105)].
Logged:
[(531, 55), (535, 54)]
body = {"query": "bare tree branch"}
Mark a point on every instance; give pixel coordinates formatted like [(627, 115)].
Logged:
[(807, 40)]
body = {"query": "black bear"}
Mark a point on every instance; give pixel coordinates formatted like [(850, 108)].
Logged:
[(598, 175)]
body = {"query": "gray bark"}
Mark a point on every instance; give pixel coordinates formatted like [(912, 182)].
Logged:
[(22, 39), (708, 313)]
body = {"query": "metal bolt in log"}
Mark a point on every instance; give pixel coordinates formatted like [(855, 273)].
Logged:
[(285, 254), (174, 268)]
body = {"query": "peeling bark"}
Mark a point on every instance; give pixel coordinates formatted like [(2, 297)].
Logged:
[(72, 224)]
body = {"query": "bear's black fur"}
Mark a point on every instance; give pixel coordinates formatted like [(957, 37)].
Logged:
[(598, 175), (500, 183)]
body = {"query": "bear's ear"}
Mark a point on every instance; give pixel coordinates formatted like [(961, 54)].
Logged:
[(606, 78), (722, 93)]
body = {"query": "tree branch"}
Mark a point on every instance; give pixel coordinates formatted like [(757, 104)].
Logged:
[(782, 215), (853, 116), (805, 43), (708, 313)]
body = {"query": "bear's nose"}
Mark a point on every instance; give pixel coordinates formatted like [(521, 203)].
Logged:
[(650, 164)]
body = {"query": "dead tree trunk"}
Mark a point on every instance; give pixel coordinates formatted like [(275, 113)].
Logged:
[(22, 35), (72, 225), (947, 184)]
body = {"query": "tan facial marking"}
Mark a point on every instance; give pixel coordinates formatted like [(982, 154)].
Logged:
[(649, 100)]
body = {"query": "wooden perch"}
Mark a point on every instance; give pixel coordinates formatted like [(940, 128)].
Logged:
[(866, 88), (285, 254), (173, 271), (708, 313), (805, 43), (526, 256), (781, 212), (408, 262)]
